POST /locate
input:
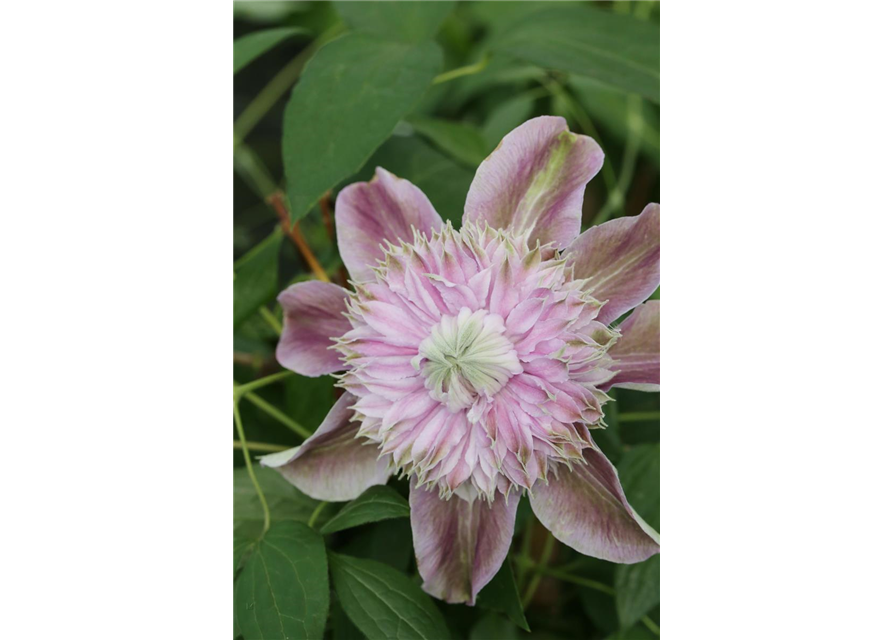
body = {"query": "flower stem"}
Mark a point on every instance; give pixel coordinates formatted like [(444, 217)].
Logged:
[(315, 514), (293, 230), (638, 416), (468, 70), (241, 389), (271, 319), (652, 625), (273, 412), (539, 569), (260, 446), (250, 467), (568, 577)]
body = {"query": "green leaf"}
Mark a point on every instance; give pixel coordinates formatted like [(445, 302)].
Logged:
[(352, 95), (459, 140), (388, 541), (440, 178), (375, 503), (384, 603), (257, 277), (638, 590), (283, 591), (639, 472), (620, 50), (501, 594), (241, 545), (249, 47), (492, 627), (285, 501), (505, 117), (402, 21)]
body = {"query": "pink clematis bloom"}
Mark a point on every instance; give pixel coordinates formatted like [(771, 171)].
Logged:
[(476, 361)]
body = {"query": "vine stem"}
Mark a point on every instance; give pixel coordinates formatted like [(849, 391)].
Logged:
[(315, 514), (638, 416), (250, 467), (534, 584), (467, 70), (241, 389), (568, 577), (651, 624), (277, 201), (273, 412), (261, 446)]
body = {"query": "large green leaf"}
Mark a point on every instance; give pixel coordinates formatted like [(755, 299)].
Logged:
[(375, 503), (388, 541), (249, 47), (638, 590), (639, 471), (241, 545), (257, 277), (283, 591), (501, 594), (352, 95), (440, 178), (384, 603), (402, 21), (285, 501), (620, 50), (459, 140), (505, 117)]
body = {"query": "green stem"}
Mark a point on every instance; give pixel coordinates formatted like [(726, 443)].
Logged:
[(635, 125), (652, 625), (534, 584), (568, 577), (250, 467), (273, 412), (468, 70), (272, 320), (241, 389), (638, 416), (282, 82), (260, 446), (315, 514), (253, 172)]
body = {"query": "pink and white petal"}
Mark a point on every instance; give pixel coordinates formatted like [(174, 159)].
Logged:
[(460, 544), (313, 318), (332, 464), (622, 257), (585, 508), (368, 213), (534, 181), (636, 355)]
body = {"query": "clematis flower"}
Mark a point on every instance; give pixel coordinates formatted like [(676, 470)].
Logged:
[(475, 361)]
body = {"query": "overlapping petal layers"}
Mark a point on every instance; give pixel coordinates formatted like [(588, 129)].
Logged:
[(476, 361)]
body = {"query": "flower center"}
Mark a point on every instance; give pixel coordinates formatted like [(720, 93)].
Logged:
[(467, 358)]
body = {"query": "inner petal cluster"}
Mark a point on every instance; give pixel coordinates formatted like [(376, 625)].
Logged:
[(467, 359), (476, 361)]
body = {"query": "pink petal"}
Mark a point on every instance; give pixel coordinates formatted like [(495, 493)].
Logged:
[(368, 213), (534, 181), (637, 354), (313, 319), (460, 545), (622, 257), (332, 464), (585, 509)]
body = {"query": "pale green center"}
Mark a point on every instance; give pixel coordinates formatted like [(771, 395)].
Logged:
[(467, 358)]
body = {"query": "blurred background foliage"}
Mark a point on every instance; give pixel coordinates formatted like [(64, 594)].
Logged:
[(323, 93)]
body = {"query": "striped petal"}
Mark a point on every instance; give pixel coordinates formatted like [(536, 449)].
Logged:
[(332, 464), (534, 181), (636, 355), (313, 313), (585, 508), (369, 213), (622, 257), (460, 544)]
